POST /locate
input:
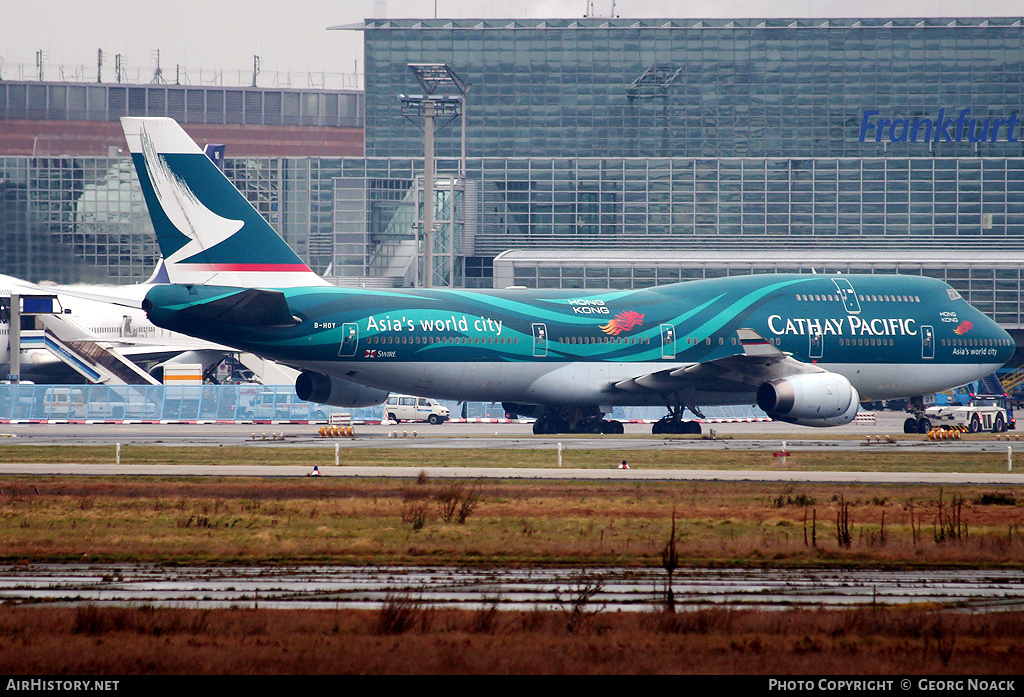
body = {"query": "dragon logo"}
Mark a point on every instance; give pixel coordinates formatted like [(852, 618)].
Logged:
[(623, 322), (963, 328)]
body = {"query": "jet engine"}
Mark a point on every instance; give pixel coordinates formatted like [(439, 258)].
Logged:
[(325, 389), (813, 399)]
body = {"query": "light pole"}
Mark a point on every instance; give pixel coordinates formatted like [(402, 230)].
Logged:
[(429, 107)]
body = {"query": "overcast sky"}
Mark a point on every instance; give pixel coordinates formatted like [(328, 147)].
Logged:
[(292, 35)]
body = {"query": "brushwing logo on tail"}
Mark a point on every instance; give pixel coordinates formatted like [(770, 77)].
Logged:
[(623, 322), (183, 208), (963, 327)]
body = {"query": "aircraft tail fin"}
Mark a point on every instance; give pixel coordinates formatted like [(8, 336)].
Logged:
[(208, 232)]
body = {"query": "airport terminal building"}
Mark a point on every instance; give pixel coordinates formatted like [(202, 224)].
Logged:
[(596, 153)]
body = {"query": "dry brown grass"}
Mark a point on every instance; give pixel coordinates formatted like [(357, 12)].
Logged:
[(91, 640), (236, 520)]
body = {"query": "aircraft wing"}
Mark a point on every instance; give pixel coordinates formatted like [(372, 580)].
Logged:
[(759, 362), (121, 301), (120, 295)]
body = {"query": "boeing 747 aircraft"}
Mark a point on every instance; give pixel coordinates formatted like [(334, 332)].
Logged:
[(805, 348)]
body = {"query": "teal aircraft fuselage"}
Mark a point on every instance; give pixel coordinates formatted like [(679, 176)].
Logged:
[(891, 336), (805, 348)]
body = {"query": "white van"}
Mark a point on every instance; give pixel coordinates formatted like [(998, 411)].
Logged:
[(64, 402), (403, 407), (283, 406)]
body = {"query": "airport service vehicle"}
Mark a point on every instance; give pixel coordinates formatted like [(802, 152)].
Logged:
[(284, 407), (71, 403), (404, 407), (101, 335), (183, 374), (806, 348), (983, 413)]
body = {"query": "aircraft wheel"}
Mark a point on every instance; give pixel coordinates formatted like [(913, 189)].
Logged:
[(910, 425), (612, 427), (693, 428), (975, 424), (923, 425)]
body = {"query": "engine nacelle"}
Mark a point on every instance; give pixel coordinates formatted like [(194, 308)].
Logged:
[(325, 389), (814, 399)]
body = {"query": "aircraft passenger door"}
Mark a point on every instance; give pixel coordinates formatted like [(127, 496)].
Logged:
[(349, 340), (848, 295), (927, 342), (817, 345), (540, 339), (668, 341)]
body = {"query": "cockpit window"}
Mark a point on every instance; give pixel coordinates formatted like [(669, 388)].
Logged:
[(953, 295)]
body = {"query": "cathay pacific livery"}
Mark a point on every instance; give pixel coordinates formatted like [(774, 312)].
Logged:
[(805, 348)]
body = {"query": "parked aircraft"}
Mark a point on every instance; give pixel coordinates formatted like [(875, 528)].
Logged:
[(805, 348), (111, 322)]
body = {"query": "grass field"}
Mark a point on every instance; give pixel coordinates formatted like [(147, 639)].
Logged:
[(866, 459), (405, 638), (228, 520), (382, 521)]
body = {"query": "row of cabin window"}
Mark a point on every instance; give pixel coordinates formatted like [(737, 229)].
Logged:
[(692, 341), (945, 342), (624, 340), (443, 340), (866, 342), (863, 298), (976, 342)]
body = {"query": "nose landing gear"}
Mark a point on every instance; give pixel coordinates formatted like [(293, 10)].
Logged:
[(566, 420)]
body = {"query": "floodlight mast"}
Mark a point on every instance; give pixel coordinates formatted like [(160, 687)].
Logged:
[(434, 75), (428, 191), (429, 107)]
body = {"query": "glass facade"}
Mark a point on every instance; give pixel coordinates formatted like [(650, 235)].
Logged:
[(83, 219), (775, 88), (902, 136), (186, 104), (69, 219)]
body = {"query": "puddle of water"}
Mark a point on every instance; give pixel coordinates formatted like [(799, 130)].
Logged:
[(619, 589)]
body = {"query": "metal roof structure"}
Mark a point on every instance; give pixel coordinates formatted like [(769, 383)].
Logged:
[(958, 257)]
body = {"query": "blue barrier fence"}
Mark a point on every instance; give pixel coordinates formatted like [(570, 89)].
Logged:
[(157, 403), (229, 403)]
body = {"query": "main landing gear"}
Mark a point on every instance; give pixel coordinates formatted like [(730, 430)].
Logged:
[(673, 423), (568, 420), (917, 422)]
